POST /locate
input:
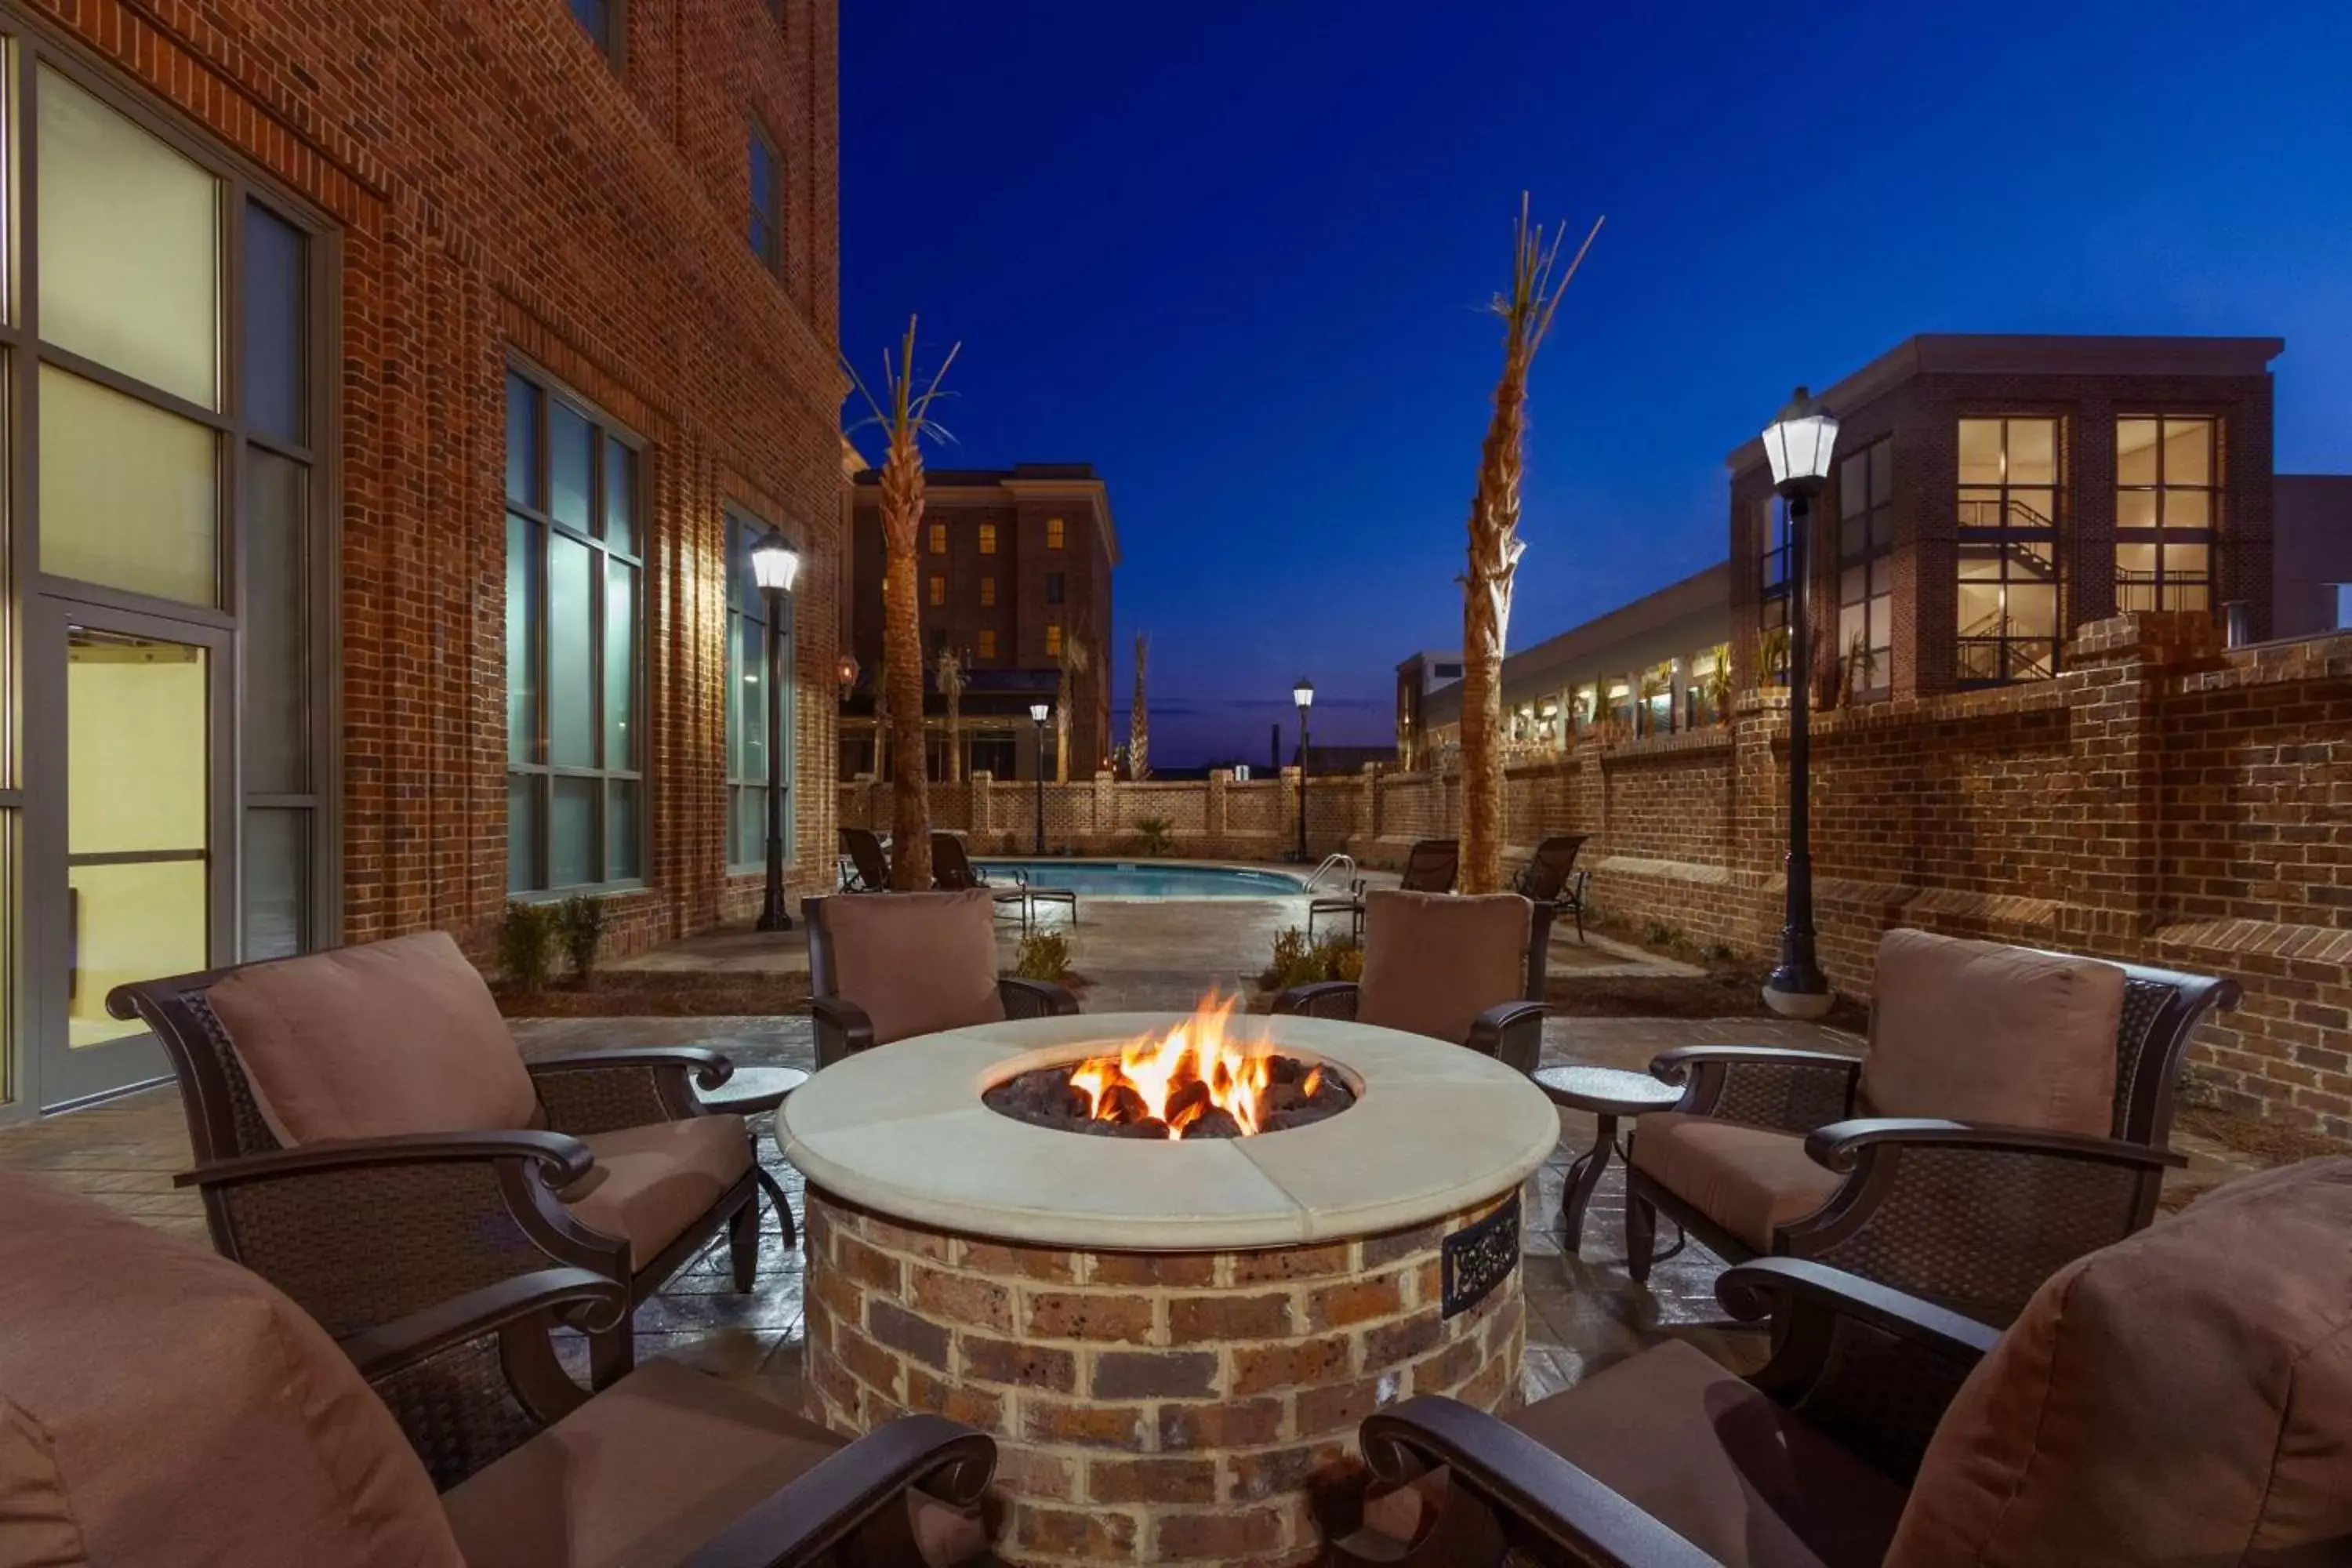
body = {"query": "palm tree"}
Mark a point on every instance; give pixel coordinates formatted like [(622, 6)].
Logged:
[(1718, 685), (906, 421), (951, 678), (1139, 717), (1526, 313)]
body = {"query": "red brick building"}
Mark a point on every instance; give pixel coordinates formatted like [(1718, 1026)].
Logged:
[(1015, 567), (405, 380)]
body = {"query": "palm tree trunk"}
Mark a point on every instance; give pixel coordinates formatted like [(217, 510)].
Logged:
[(902, 637), (1139, 717)]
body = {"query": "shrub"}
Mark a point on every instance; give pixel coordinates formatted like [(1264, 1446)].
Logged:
[(1298, 962), (580, 927), (525, 943), (1043, 955), (1155, 835)]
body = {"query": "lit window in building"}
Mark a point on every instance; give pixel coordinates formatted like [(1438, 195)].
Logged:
[(1866, 508), (2167, 512), (939, 538), (938, 590), (576, 783), (988, 642), (753, 660), (1053, 641), (1772, 597), (1053, 533), (988, 539), (2009, 550), (987, 592)]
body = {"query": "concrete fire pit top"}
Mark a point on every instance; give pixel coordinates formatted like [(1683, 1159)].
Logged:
[(901, 1130)]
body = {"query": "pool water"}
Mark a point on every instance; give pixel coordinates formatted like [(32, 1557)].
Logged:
[(1144, 880)]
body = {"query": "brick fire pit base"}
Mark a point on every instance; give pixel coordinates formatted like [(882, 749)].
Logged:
[(1193, 1407)]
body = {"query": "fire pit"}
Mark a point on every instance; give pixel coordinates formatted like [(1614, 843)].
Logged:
[(1172, 1337)]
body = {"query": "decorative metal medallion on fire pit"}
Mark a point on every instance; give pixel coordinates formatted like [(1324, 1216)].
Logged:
[(1185, 1081), (1480, 1257)]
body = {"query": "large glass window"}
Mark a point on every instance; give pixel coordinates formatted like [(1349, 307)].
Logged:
[(1866, 642), (767, 226), (1772, 597), (759, 657), (2168, 512), (576, 781), (2010, 493), (602, 21)]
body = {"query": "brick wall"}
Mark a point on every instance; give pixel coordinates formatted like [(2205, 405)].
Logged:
[(495, 187)]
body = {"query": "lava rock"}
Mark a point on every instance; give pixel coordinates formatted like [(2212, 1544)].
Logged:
[(1214, 1122), (1193, 1093)]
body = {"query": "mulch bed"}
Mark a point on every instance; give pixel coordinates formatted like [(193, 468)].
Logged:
[(2263, 1141), (659, 994)]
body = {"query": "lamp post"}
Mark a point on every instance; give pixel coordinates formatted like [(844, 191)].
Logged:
[(1302, 693), (1797, 444), (774, 565), (1038, 713)]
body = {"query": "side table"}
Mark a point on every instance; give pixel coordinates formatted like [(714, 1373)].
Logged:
[(1607, 1093), (756, 1091)]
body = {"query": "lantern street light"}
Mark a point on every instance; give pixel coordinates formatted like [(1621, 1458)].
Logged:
[(774, 565), (1302, 692), (1038, 713), (1798, 444)]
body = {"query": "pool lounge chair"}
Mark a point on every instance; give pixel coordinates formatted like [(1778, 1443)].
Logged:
[(1550, 876), (869, 863), (953, 872), (1430, 867)]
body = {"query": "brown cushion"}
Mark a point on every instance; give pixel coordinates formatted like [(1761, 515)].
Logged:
[(185, 1411), (37, 1528), (1749, 1180), (651, 1182), (1977, 1032), (1718, 1463), (916, 962), (372, 1042), (642, 1474), (2184, 1396), (1434, 961)]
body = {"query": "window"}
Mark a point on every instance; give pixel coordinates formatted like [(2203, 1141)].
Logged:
[(1772, 597), (2007, 538), (2167, 512), (1054, 640), (1056, 587), (988, 642), (767, 228), (1448, 672), (987, 592), (939, 538), (757, 663), (1053, 533), (1865, 640), (938, 590), (988, 539), (601, 20), (2341, 600), (576, 783)]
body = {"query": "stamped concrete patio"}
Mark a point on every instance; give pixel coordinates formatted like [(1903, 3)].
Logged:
[(1583, 1312)]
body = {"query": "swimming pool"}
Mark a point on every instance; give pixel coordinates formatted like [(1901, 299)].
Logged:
[(1148, 880)]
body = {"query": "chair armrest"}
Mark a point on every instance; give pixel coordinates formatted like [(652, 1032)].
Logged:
[(1033, 998), (1511, 1032), (562, 1159), (1541, 1498), (1871, 1368), (600, 1091), (1761, 1086), (404, 1342), (843, 1030), (1323, 999), (1840, 1146), (854, 1494)]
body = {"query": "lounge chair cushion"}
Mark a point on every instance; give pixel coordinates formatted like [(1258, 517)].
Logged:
[(916, 962), (1977, 1032), (647, 1471), (392, 1037), (1749, 1180), (2182, 1396), (166, 1408), (1718, 1463), (1434, 961), (650, 1182)]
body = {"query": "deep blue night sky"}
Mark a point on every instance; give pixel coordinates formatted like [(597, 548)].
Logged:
[(1237, 263)]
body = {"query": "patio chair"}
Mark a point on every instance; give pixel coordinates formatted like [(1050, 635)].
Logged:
[(869, 863), (1465, 970), (953, 872), (1550, 876), (165, 1408), (2182, 1396), (2011, 1115), (886, 968), (369, 1139), (1430, 867)]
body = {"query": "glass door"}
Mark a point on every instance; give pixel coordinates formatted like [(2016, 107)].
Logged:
[(138, 773)]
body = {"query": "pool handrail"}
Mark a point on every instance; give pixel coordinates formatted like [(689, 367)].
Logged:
[(1334, 861)]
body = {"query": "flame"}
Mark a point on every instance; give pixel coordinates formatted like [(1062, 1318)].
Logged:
[(1158, 1067)]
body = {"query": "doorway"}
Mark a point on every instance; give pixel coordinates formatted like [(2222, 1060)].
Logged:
[(135, 769)]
